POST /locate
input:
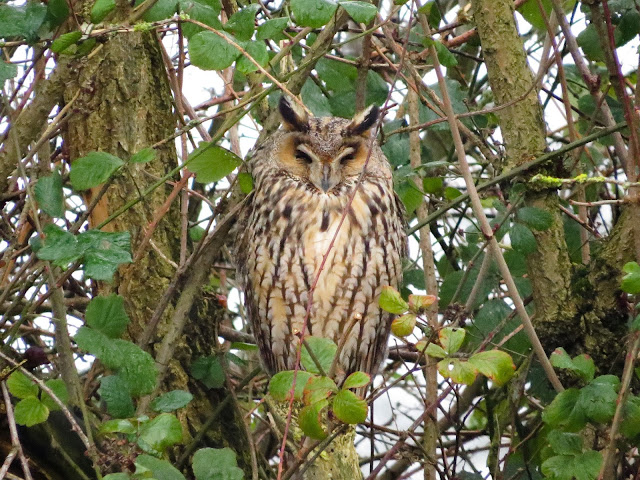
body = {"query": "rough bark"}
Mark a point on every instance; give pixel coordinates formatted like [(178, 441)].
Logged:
[(523, 130)]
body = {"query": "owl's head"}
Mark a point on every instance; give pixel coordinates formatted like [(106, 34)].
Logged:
[(326, 151)]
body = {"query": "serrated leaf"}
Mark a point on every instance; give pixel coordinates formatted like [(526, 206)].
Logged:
[(560, 359), (272, 29), (631, 281), (58, 246), (324, 350), (457, 370), (281, 383), (404, 325), (361, 12), (162, 432), (157, 469), (494, 364), (49, 195), (313, 13), (535, 218), (30, 411), (104, 252), (216, 463), (435, 351), (107, 315), (143, 156), (170, 401), (391, 301), (565, 443), (117, 425), (598, 400), (569, 467), (522, 239), (59, 389), (585, 367), (209, 51), (211, 163), (451, 339), (563, 411), (630, 426), (419, 303), (21, 21), (135, 366), (209, 371), (242, 23), (318, 388), (114, 392), (94, 342), (349, 408), (101, 9), (21, 386), (93, 169), (310, 420), (258, 52), (357, 380)]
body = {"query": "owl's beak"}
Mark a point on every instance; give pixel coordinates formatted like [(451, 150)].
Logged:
[(326, 183)]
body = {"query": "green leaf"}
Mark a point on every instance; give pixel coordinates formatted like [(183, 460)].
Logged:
[(589, 41), (30, 411), (324, 350), (156, 468), (409, 194), (432, 185), (94, 342), (565, 443), (404, 325), (419, 303), (65, 40), (59, 246), (59, 389), (242, 23), (357, 380), (445, 57), (598, 399), (205, 11), (245, 181), (22, 386), (21, 21), (457, 370), (211, 163), (349, 408), (272, 29), (57, 12), (257, 51), (104, 252), (107, 314), (535, 218), (630, 426), (114, 391), (93, 169), (561, 359), (171, 401), (117, 476), (135, 366), (435, 351), (585, 367), (162, 432), (631, 281), (143, 156), (494, 364), (101, 9), (391, 301), (361, 12), (313, 13), (216, 464), (7, 71), (210, 51), (281, 383), (310, 420), (451, 193), (209, 371), (318, 388), (564, 411), (569, 467), (451, 339), (522, 239), (49, 195), (315, 99), (118, 425)]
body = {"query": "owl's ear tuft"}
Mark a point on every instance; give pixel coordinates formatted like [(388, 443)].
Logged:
[(294, 117), (364, 120)]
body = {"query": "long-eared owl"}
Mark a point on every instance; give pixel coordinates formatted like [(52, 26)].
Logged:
[(304, 176)]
